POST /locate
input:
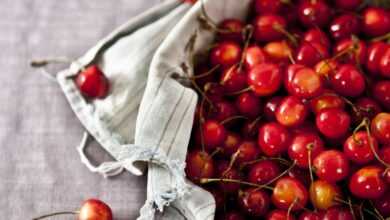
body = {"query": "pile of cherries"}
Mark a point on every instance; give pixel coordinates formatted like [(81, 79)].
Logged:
[(292, 120)]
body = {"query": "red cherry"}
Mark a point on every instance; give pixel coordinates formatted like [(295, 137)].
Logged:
[(367, 183), (331, 166), (357, 51), (384, 63), (288, 192), (326, 101), (348, 81), (233, 30), (304, 83), (249, 105), (385, 154), (310, 53), (344, 26), (299, 148), (348, 4), (254, 55), (233, 79), (338, 213), (357, 148), (381, 93), (380, 127), (94, 209), (271, 106), (374, 55), (291, 111), (223, 110), (266, 27), (368, 108), (248, 151), (231, 144), (267, 6), (323, 194), (383, 204), (254, 202), (314, 13), (333, 123), (316, 35), (273, 139), (263, 172), (225, 54), (308, 215), (226, 172), (280, 215), (376, 21), (265, 79), (199, 165), (92, 83), (289, 75), (214, 134)]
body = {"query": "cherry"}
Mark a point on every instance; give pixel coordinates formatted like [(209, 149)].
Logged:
[(223, 110), (278, 50), (289, 193), (303, 145), (278, 214), (248, 151), (314, 13), (226, 172), (323, 194), (344, 26), (354, 51), (263, 172), (380, 127), (333, 123), (326, 101), (304, 83), (266, 27), (214, 91), (250, 128), (291, 112), (381, 93), (375, 53), (232, 215), (249, 105), (308, 215), (331, 166), (231, 30), (385, 154), (310, 53), (306, 128), (357, 148), (234, 79), (376, 21), (92, 209), (214, 134), (385, 63), (203, 74), (254, 202), (348, 4), (254, 55), (383, 204), (326, 67), (348, 81), (92, 83), (271, 106), (273, 139), (367, 108), (265, 79), (225, 54), (316, 35), (289, 75), (267, 6), (231, 144), (338, 213), (199, 165), (367, 183)]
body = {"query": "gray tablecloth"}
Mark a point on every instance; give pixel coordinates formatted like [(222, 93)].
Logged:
[(40, 170)]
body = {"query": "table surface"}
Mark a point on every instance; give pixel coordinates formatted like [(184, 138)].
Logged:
[(40, 169)]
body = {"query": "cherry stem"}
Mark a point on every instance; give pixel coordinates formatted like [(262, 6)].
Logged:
[(248, 33), (283, 173), (240, 91), (211, 71), (211, 180), (290, 37), (376, 211), (57, 213), (380, 38), (290, 207), (330, 66), (339, 200), (351, 208), (233, 159), (58, 60), (291, 58), (195, 85), (232, 119), (285, 162), (309, 152), (206, 19)]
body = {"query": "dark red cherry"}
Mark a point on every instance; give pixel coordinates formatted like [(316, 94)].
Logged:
[(234, 79), (266, 27), (254, 202), (314, 13), (231, 143), (385, 153), (344, 26), (304, 83), (271, 106), (338, 213), (291, 111), (288, 192), (327, 101), (367, 183), (267, 6), (273, 139), (310, 53), (331, 166), (92, 83), (349, 5), (278, 214), (199, 165), (357, 148), (223, 110), (254, 55), (333, 123), (308, 215), (225, 54), (381, 93), (354, 51), (214, 134), (250, 129), (376, 21), (263, 172), (300, 147), (232, 30), (248, 151), (232, 215), (383, 204), (265, 79), (367, 108), (201, 77), (231, 173), (214, 91), (375, 53), (384, 64), (380, 127), (348, 81), (316, 35), (249, 105), (300, 174)]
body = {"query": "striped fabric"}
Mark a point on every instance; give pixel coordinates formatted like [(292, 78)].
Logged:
[(148, 115)]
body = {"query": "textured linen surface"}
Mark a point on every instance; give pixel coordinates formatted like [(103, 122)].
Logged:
[(40, 170)]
